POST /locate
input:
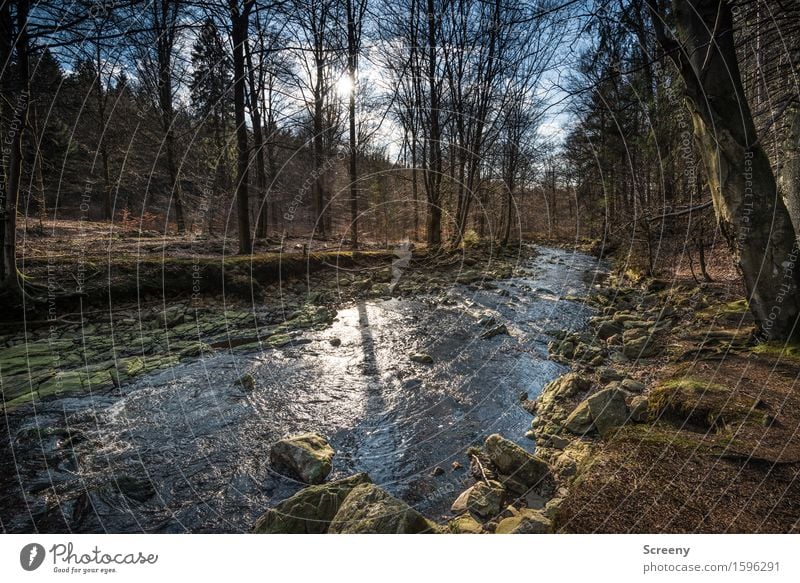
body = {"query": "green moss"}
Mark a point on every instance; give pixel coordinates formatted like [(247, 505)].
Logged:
[(736, 308), (778, 350), (699, 403)]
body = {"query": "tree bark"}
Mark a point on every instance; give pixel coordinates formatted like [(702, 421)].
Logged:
[(433, 175), (19, 121), (239, 20), (258, 145), (789, 175), (352, 63), (749, 210), (164, 46)]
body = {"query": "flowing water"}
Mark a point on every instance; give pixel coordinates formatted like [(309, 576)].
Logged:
[(187, 449)]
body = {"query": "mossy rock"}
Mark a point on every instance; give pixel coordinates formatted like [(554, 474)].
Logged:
[(526, 522), (704, 405), (370, 510), (464, 524), (310, 510), (306, 456)]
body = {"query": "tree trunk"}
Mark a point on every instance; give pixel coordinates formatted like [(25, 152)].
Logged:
[(352, 61), (751, 214), (239, 37), (789, 176), (258, 143), (168, 117), (16, 130), (433, 176)]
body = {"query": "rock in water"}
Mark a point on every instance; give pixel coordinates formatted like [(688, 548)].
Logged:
[(307, 457), (526, 522), (421, 358), (311, 510), (497, 330), (370, 510), (518, 469), (608, 410)]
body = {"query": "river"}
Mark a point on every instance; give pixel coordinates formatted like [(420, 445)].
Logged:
[(187, 449)]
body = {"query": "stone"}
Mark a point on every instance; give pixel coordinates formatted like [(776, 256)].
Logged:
[(370, 510), (557, 442), (497, 330), (580, 420), (641, 347), (307, 457), (633, 386), (640, 409), (608, 329), (633, 334), (566, 349), (247, 382), (310, 510), (526, 522), (608, 374), (437, 471), (464, 524), (608, 410), (551, 508), (421, 358), (456, 466), (485, 500), (511, 461), (566, 386), (459, 506)]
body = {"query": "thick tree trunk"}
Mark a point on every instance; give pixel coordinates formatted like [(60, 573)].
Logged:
[(239, 37), (789, 176), (750, 212)]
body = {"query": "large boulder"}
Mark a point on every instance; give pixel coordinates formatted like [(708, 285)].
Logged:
[(518, 469), (311, 510), (608, 410), (526, 522), (306, 457), (370, 510)]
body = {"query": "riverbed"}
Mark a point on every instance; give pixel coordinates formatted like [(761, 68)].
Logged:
[(186, 449)]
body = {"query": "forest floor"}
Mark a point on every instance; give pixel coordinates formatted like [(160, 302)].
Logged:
[(716, 447)]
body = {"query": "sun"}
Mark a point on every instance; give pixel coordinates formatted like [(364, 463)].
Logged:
[(344, 86)]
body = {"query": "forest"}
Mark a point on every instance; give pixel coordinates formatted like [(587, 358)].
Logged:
[(349, 266)]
